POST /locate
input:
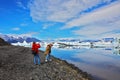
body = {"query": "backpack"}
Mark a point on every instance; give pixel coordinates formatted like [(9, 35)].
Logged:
[(33, 52)]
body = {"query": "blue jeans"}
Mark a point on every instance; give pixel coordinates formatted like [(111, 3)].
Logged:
[(36, 59), (48, 57)]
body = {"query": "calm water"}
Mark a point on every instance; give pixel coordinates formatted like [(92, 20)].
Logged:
[(103, 64)]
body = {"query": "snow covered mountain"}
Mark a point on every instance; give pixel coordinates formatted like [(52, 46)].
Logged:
[(15, 39)]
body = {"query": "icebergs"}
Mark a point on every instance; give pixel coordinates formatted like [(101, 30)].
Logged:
[(25, 44), (74, 44)]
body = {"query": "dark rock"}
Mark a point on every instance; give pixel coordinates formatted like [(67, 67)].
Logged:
[(16, 63), (2, 42)]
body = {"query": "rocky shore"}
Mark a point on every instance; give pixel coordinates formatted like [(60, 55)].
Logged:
[(16, 63)]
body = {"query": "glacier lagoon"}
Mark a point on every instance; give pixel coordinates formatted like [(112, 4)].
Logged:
[(101, 63)]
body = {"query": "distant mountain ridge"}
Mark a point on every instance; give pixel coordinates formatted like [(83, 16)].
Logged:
[(15, 39), (21, 39)]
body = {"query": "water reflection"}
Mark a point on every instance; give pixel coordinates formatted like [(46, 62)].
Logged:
[(102, 63), (116, 51), (113, 49)]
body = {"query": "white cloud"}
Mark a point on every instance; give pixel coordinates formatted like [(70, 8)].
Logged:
[(16, 29), (59, 10), (99, 30), (94, 24), (30, 34), (100, 22), (23, 24), (21, 5), (105, 15), (49, 24)]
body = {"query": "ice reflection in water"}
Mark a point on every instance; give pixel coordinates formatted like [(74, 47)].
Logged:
[(102, 63)]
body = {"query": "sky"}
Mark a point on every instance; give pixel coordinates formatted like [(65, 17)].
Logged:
[(58, 19)]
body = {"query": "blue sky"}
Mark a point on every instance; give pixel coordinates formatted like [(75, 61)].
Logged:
[(54, 19)]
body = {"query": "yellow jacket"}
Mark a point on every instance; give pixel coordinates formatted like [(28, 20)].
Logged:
[(48, 49)]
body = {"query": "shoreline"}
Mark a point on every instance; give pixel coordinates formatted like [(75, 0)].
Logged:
[(84, 74), (16, 63)]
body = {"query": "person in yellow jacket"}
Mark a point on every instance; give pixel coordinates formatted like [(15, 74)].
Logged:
[(47, 52)]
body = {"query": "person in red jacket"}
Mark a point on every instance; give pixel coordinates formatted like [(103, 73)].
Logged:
[(35, 51)]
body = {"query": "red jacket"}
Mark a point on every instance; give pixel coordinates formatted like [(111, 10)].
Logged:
[(35, 47)]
